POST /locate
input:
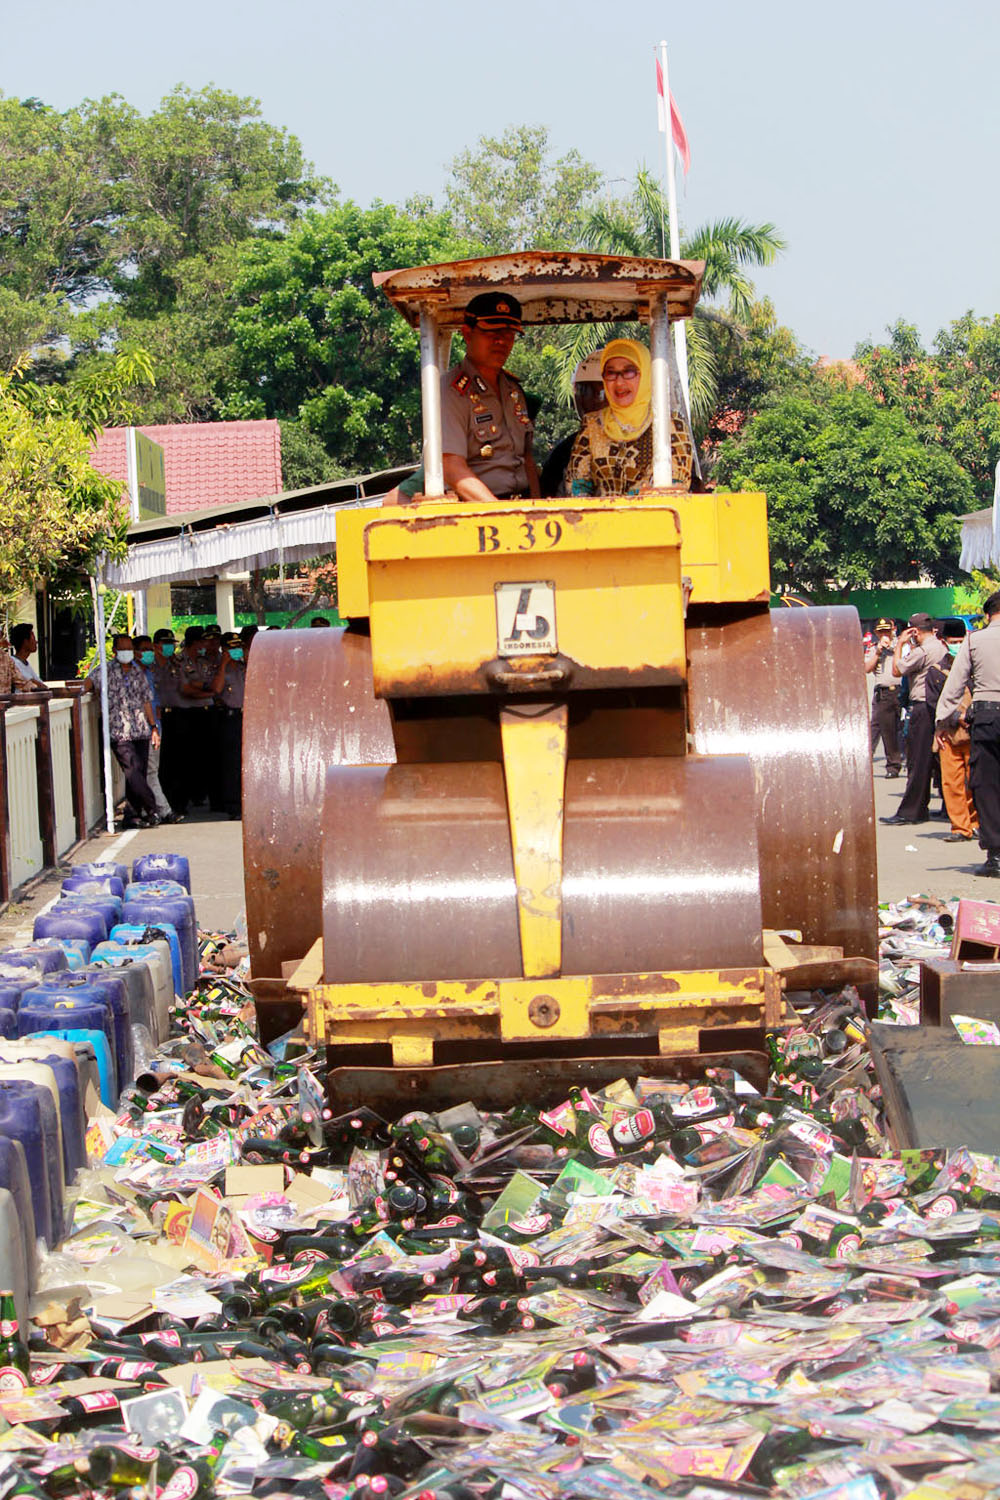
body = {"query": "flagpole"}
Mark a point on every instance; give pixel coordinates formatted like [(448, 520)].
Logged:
[(680, 332)]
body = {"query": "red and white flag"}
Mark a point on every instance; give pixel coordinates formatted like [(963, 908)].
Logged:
[(676, 123)]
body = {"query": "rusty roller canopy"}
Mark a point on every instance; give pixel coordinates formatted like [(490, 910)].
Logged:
[(787, 689), (552, 286), (660, 870)]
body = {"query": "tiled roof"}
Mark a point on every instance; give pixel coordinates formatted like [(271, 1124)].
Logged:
[(205, 463)]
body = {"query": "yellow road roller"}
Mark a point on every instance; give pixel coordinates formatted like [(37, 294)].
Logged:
[(564, 785)]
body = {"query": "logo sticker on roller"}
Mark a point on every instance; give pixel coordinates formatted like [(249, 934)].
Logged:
[(526, 619)]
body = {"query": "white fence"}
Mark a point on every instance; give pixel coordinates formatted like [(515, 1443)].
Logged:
[(53, 780), (27, 854), (61, 740), (93, 770)]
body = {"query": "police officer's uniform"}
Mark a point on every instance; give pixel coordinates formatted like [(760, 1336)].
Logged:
[(230, 705), (173, 751), (491, 430), (920, 735), (977, 666), (885, 705)]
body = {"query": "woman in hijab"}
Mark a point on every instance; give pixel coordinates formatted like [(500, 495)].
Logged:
[(613, 452)]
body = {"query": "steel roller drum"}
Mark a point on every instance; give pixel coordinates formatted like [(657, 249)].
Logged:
[(309, 705), (787, 689), (660, 870)]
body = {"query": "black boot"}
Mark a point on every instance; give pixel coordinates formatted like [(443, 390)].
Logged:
[(992, 865)]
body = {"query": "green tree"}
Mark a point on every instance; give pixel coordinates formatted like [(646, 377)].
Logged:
[(855, 495), (951, 396), (755, 361), (56, 511), (204, 170), (304, 460), (55, 199), (506, 193), (100, 201), (317, 343), (190, 344)]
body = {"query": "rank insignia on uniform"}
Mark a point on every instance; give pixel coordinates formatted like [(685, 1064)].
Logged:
[(461, 383)]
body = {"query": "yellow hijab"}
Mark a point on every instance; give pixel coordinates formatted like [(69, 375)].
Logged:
[(622, 423)]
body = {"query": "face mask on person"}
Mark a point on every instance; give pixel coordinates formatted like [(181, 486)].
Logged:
[(952, 647), (168, 648), (125, 657), (147, 658), (236, 653), (202, 650)]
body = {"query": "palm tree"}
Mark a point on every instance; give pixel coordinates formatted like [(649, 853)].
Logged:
[(638, 226)]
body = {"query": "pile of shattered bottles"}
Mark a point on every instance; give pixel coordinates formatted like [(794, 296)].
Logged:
[(705, 1282)]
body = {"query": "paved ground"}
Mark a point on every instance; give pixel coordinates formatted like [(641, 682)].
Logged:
[(911, 860), (916, 859), (213, 846)]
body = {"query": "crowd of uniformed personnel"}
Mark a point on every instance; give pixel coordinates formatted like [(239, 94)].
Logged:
[(952, 680), (175, 720)]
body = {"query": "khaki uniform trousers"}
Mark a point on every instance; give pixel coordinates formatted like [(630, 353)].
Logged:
[(955, 787)]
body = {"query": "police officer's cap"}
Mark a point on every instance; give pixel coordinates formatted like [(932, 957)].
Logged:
[(884, 625), (232, 638), (992, 605), (493, 310), (920, 621)]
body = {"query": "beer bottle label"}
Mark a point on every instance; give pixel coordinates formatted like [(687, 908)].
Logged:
[(98, 1401), (530, 1224), (141, 1455), (634, 1127), (134, 1369), (599, 1141), (289, 1275), (165, 1336), (12, 1379), (182, 1484)]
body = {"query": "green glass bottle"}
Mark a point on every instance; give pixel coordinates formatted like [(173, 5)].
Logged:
[(14, 1370), (121, 1466)]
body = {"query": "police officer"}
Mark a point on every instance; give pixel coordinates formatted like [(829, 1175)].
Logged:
[(486, 428), (885, 699), (228, 686), (977, 666), (923, 648)]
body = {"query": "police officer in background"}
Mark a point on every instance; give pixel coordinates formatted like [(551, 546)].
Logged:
[(885, 699), (486, 428), (228, 686), (923, 649), (977, 666)]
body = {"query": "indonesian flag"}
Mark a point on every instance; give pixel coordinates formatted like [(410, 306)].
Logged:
[(676, 123)]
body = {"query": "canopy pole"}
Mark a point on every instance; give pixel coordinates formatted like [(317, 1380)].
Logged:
[(430, 397), (97, 592), (659, 348)]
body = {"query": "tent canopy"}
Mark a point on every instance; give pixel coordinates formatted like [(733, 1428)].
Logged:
[(250, 534)]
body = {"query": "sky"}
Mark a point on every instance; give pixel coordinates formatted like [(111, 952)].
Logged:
[(867, 133)]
